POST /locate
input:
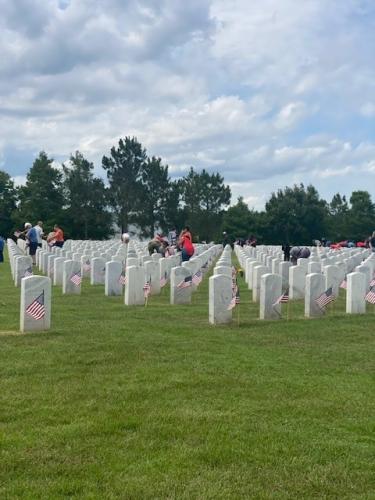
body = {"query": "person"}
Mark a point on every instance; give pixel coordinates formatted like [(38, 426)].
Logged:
[(185, 243), (172, 237), (299, 253), (39, 232), (252, 241), (32, 240), (372, 242), (156, 244), (1, 249), (286, 249), (125, 238), (58, 236)]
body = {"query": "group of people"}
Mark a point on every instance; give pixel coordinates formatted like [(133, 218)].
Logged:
[(34, 236), (168, 245)]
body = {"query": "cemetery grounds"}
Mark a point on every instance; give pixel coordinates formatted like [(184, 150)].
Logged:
[(153, 402)]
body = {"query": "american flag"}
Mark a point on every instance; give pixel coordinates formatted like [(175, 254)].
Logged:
[(325, 298), (147, 289), (344, 284), (234, 272), (87, 266), (76, 278), (36, 309), (122, 279), (370, 296), (185, 283), (372, 282), (164, 279), (197, 278), (284, 298), (28, 272), (235, 298)]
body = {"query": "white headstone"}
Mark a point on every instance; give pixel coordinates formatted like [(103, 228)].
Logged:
[(220, 296), (315, 286), (113, 284), (355, 293), (35, 313), (72, 277), (270, 291), (134, 294)]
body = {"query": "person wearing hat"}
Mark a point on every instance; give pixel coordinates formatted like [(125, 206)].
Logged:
[(31, 235)]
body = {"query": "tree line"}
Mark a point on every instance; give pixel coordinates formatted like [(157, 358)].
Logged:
[(140, 193)]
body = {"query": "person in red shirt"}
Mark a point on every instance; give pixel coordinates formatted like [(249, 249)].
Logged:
[(58, 236), (185, 242)]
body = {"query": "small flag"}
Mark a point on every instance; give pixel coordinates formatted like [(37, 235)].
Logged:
[(76, 278), (234, 272), (344, 284), (372, 282), (283, 299), (164, 279), (197, 278), (122, 279), (370, 296), (186, 282), (28, 272), (325, 298), (235, 298), (147, 289), (87, 266), (36, 309)]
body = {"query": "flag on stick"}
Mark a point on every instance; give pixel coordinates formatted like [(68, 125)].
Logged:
[(325, 298), (344, 284), (235, 298), (164, 279), (370, 296), (197, 278), (185, 283), (28, 272), (147, 289), (36, 309), (122, 279), (283, 299), (76, 278)]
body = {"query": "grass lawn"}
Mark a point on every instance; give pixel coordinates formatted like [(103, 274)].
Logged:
[(134, 402)]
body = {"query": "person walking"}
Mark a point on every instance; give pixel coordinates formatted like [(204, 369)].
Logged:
[(32, 240), (39, 232)]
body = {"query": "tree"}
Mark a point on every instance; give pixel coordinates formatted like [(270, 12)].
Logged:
[(86, 200), (124, 170), (154, 195), (361, 215), (338, 218), (239, 221), (295, 215), (205, 197), (8, 200), (42, 198)]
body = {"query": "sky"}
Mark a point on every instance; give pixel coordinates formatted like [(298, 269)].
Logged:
[(267, 92)]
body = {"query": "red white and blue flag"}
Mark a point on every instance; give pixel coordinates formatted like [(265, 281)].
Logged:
[(325, 298), (235, 298), (28, 272), (147, 289), (185, 283), (76, 278), (283, 299), (197, 278), (370, 296), (36, 309), (344, 284), (122, 279), (164, 279)]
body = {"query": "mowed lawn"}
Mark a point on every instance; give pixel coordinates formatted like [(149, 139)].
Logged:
[(153, 402)]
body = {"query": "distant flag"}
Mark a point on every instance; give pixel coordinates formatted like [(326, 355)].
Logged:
[(372, 282), (344, 284), (122, 279), (28, 272), (325, 298), (36, 309), (147, 289), (185, 283), (234, 272), (164, 279), (235, 298), (87, 266), (197, 278), (76, 278), (283, 299), (370, 296)]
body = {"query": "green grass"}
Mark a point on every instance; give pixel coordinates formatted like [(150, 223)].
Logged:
[(133, 402)]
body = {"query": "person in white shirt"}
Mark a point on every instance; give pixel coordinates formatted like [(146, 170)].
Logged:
[(39, 232)]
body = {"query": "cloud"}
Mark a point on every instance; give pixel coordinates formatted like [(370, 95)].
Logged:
[(266, 92)]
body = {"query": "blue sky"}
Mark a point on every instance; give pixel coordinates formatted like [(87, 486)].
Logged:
[(268, 92)]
